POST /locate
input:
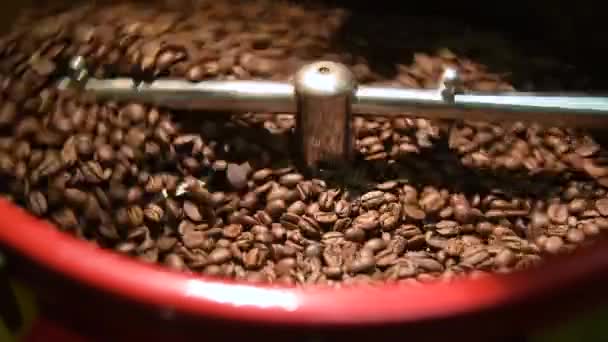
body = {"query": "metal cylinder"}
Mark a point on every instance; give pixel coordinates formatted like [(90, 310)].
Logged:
[(324, 94)]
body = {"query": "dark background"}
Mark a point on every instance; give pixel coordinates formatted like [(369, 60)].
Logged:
[(571, 31)]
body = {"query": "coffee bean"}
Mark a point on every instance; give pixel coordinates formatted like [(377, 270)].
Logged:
[(276, 207), (367, 221), (175, 262), (309, 227), (575, 236), (577, 206), (355, 234), (237, 176), (372, 200), (414, 212), (255, 258), (191, 210), (591, 229), (375, 245), (554, 244), (602, 206), (504, 258), (558, 213), (325, 218), (290, 180), (198, 193), (362, 264), (154, 213), (37, 203), (135, 216), (431, 202)]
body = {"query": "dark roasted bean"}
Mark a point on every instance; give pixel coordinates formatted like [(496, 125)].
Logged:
[(218, 196)]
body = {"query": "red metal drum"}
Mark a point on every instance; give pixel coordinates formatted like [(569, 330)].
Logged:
[(86, 293), (103, 295)]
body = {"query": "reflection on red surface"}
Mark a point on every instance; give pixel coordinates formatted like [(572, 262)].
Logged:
[(154, 285)]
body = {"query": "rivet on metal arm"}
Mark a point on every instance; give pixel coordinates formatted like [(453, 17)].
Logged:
[(448, 85), (77, 74)]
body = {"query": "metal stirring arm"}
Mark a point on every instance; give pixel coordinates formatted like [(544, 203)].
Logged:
[(325, 95)]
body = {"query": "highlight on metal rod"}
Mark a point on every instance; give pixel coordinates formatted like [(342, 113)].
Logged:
[(324, 92)]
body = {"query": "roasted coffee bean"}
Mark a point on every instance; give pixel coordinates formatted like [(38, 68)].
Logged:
[(135, 215), (219, 256), (558, 213), (355, 234), (175, 262), (554, 244), (431, 202), (367, 221), (192, 211), (201, 194), (602, 206), (37, 203), (575, 235), (237, 176)]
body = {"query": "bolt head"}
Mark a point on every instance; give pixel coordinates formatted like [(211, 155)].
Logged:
[(325, 78)]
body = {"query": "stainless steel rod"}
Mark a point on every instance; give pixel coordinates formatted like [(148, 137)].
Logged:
[(209, 95), (264, 96), (554, 109), (279, 97)]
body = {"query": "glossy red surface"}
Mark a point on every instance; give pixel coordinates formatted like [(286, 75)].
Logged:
[(60, 253)]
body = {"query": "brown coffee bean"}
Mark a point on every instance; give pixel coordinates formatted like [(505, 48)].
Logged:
[(591, 229), (105, 153), (285, 266), (309, 227), (135, 215), (558, 213), (37, 203), (372, 200), (414, 212), (255, 258), (290, 180), (65, 218), (374, 245), (154, 213), (193, 238), (327, 200), (8, 113), (262, 175), (192, 211), (505, 258), (602, 206), (355, 234), (175, 262), (575, 235), (237, 176), (362, 264), (577, 206), (174, 189), (431, 202), (220, 256), (325, 218), (554, 245), (367, 221), (166, 243), (276, 207), (135, 112), (297, 208)]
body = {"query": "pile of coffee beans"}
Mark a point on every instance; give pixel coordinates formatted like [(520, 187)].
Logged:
[(220, 196)]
